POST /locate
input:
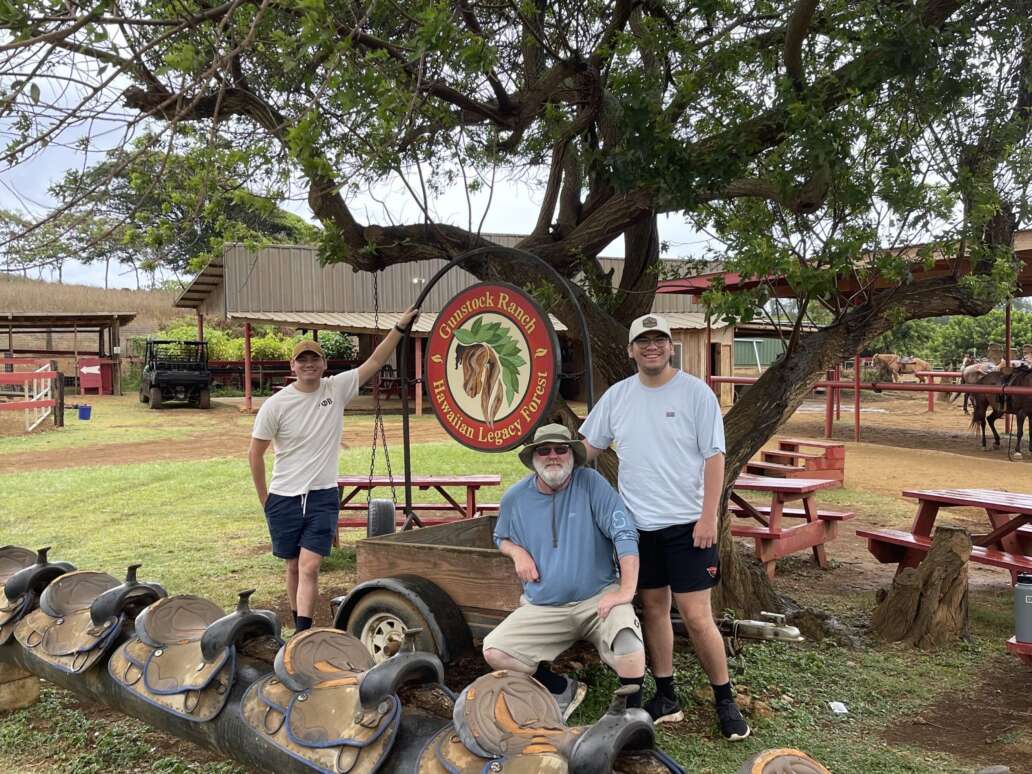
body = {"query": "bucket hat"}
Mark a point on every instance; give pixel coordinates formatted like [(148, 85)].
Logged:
[(553, 434)]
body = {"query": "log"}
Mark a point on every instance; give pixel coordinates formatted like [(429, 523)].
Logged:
[(18, 688), (927, 606)]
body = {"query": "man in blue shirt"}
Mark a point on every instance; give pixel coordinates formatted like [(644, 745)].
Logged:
[(561, 526)]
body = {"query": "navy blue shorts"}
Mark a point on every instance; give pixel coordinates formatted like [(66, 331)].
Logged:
[(302, 521), (668, 557)]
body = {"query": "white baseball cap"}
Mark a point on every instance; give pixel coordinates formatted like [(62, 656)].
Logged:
[(647, 323)]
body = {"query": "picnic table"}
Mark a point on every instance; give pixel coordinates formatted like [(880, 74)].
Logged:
[(774, 539), (1007, 544), (351, 486)]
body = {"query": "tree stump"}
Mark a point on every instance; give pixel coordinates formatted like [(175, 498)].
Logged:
[(18, 688), (927, 606)]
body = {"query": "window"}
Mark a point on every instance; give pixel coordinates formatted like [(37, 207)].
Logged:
[(675, 361)]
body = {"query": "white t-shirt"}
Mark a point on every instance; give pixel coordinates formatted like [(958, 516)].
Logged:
[(305, 430), (663, 437)]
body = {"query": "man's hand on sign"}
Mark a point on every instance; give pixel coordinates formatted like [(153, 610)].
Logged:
[(705, 532), (408, 318), (610, 600), (526, 569)]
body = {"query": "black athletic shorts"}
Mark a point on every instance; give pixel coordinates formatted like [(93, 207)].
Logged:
[(302, 521), (669, 557)]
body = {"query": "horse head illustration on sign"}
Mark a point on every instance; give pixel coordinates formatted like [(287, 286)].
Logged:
[(492, 366)]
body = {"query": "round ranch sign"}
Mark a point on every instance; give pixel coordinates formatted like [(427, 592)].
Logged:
[(492, 365)]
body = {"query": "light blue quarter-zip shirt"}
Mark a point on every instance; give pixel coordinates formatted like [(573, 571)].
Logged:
[(571, 535)]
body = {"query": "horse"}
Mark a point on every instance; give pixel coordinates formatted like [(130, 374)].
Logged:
[(971, 370), (891, 366), (1018, 405)]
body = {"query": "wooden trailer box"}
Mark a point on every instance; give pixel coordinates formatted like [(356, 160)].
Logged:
[(459, 557)]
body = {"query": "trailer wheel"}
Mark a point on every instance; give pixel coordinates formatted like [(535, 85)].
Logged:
[(380, 620), (381, 518), (204, 398), (155, 397)]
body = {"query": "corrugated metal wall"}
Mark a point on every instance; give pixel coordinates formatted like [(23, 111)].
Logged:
[(747, 349), (290, 279)]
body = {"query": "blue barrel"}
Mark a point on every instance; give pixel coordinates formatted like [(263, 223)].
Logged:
[(85, 410)]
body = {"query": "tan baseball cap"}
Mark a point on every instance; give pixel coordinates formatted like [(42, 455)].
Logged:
[(647, 323), (306, 345)]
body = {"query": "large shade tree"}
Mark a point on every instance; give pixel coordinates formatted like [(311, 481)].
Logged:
[(811, 140)]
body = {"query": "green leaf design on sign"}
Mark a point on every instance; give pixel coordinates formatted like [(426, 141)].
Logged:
[(505, 347)]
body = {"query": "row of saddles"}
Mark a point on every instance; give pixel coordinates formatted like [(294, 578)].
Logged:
[(323, 702)]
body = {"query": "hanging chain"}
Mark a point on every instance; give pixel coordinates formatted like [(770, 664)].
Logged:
[(379, 431)]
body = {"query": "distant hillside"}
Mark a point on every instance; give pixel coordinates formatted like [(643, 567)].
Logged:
[(153, 308)]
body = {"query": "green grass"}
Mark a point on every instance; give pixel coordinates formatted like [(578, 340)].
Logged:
[(197, 527), (121, 420)]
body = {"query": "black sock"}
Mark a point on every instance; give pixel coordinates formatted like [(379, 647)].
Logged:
[(303, 622), (553, 682), (722, 692), (293, 615), (665, 687), (634, 700)]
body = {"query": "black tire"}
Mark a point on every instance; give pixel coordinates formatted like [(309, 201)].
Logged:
[(204, 399), (381, 616), (381, 518), (155, 397)]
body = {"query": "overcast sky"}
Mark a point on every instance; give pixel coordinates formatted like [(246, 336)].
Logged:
[(513, 209)]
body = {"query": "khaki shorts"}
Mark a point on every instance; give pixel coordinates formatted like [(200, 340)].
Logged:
[(533, 633)]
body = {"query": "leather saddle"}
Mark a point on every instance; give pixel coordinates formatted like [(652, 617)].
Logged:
[(80, 616), (24, 575), (782, 761), (509, 723), (325, 703), (183, 657)]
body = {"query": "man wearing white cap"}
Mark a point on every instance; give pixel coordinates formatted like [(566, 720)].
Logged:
[(669, 436), (304, 422)]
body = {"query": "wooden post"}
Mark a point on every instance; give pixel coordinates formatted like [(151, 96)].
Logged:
[(200, 326), (18, 688), (116, 356), (931, 395), (419, 376), (709, 352), (247, 367), (838, 392), (857, 364), (829, 404), (1007, 359)]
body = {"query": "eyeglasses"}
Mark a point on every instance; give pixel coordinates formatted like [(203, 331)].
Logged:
[(559, 450), (651, 341)]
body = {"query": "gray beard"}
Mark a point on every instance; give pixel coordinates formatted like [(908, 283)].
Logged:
[(553, 477)]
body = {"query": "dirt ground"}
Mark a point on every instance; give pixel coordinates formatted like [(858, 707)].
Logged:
[(902, 446)]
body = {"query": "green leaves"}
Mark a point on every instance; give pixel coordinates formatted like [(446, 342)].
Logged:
[(505, 347)]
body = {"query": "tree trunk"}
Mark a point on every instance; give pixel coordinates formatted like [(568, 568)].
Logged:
[(927, 606)]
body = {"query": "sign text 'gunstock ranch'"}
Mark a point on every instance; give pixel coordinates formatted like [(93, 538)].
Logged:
[(492, 366)]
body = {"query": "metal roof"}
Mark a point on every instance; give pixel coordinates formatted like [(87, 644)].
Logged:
[(350, 322), (689, 321), (209, 278), (63, 320)]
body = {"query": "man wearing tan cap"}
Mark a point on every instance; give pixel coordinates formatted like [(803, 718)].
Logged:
[(304, 422), (669, 436)]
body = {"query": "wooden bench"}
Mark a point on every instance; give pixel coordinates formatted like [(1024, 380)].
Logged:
[(1022, 650), (890, 546), (797, 513)]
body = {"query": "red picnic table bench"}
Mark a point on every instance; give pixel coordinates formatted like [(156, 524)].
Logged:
[(351, 486), (775, 540), (1008, 544)]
